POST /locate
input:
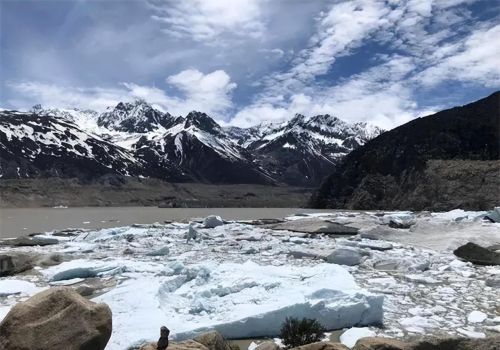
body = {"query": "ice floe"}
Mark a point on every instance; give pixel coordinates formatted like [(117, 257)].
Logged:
[(239, 300), (244, 278)]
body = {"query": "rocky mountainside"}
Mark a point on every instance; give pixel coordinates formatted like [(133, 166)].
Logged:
[(443, 161), (32, 145), (136, 139)]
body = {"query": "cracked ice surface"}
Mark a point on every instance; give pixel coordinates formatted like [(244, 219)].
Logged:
[(239, 300), (244, 279)]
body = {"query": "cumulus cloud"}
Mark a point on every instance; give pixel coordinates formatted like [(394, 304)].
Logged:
[(206, 21), (210, 93)]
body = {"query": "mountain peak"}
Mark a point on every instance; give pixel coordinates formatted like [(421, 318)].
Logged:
[(202, 121), (137, 116)]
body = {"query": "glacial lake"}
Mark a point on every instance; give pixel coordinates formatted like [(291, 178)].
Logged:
[(15, 222)]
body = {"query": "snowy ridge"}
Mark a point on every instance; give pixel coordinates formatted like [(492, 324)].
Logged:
[(38, 138), (300, 151)]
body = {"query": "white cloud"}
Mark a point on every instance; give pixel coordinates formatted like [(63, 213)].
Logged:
[(477, 59), (212, 88), (205, 21), (210, 93), (437, 42), (376, 95), (55, 96)]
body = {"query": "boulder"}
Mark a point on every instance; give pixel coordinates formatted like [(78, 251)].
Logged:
[(267, 345), (493, 281), (28, 241), (13, 263), (375, 343), (344, 256), (322, 345), (213, 221), (185, 345), (213, 341), (56, 319), (457, 344), (477, 255), (401, 224)]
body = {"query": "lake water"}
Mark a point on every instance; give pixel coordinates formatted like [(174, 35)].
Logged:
[(21, 221)]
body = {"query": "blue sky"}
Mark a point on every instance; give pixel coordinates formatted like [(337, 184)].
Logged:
[(248, 61)]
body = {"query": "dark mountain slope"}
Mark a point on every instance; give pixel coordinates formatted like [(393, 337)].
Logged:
[(199, 146), (424, 164), (34, 146)]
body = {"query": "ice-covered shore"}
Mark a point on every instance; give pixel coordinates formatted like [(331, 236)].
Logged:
[(243, 279)]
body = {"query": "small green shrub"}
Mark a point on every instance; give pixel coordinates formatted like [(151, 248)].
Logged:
[(295, 332)]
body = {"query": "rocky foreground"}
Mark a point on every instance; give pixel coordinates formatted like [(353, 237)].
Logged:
[(401, 276)]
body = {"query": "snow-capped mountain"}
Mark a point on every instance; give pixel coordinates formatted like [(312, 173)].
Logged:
[(200, 147), (136, 139), (137, 117), (305, 149), (33, 145)]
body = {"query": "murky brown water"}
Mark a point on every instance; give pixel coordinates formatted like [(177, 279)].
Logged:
[(20, 221)]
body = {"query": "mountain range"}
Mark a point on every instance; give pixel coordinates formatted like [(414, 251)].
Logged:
[(135, 139), (444, 161)]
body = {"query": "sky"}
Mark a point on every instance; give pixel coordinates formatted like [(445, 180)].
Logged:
[(245, 62)]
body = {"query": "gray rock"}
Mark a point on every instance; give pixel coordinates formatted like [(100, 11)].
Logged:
[(477, 255), (425, 343), (127, 251), (13, 263), (493, 281), (249, 250), (213, 341), (344, 256), (85, 290), (213, 221), (314, 225), (401, 224), (28, 241)]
